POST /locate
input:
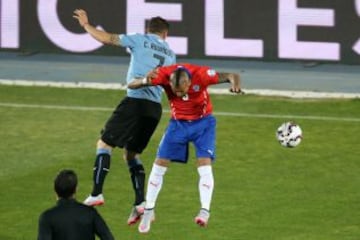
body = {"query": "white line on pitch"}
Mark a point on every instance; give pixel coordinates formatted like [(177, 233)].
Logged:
[(230, 114), (289, 117)]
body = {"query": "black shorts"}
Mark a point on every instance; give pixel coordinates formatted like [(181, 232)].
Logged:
[(132, 124)]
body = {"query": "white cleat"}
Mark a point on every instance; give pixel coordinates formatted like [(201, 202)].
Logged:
[(146, 219), (202, 218), (136, 213), (94, 200)]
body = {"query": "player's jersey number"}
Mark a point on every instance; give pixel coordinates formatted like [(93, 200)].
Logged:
[(160, 58)]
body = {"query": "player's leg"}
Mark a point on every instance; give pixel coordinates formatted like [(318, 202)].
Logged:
[(137, 176), (206, 188), (147, 119), (153, 189), (205, 151), (115, 133), (172, 146), (155, 181), (101, 169)]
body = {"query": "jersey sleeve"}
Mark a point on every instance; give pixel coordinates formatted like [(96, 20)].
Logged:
[(101, 228), (162, 77), (209, 76), (130, 40), (44, 229)]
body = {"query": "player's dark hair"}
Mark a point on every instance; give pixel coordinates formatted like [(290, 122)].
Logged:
[(178, 73), (65, 183), (158, 25)]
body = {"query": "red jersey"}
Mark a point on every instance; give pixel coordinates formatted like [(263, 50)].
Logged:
[(196, 103)]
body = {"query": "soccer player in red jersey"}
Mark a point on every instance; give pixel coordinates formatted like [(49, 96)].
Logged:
[(191, 122)]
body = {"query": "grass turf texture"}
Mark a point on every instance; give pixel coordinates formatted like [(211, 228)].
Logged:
[(262, 190)]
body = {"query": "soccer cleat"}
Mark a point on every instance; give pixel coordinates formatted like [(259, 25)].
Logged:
[(202, 218), (94, 200), (146, 219), (136, 213)]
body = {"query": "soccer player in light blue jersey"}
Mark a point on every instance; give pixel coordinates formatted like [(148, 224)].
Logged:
[(135, 119)]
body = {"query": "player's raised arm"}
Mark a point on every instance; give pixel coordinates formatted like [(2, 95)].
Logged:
[(101, 36), (233, 79)]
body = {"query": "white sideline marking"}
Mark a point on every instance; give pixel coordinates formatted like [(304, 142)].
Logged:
[(53, 107), (229, 114), (289, 117), (263, 92), (290, 94)]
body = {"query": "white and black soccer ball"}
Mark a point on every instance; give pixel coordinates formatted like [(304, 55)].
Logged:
[(289, 134)]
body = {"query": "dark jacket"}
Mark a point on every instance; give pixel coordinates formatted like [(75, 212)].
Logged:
[(71, 220)]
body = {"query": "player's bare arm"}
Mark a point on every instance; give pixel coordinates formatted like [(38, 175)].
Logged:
[(143, 82), (101, 36), (233, 79), (139, 83)]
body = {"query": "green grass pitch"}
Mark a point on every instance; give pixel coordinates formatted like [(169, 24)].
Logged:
[(262, 191)]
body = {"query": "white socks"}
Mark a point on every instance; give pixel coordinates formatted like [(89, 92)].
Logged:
[(154, 185), (206, 186)]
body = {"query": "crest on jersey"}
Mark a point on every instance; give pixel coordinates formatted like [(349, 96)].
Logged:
[(211, 72), (185, 97), (196, 88)]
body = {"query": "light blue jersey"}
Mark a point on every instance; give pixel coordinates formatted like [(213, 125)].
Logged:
[(148, 51)]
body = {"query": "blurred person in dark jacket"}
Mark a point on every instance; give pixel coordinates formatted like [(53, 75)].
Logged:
[(69, 219)]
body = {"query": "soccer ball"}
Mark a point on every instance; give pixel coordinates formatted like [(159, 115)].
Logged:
[(289, 134)]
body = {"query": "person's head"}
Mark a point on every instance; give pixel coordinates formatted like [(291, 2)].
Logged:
[(159, 26), (180, 81), (65, 183)]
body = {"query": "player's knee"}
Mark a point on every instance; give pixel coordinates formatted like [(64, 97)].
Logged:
[(162, 162), (101, 144), (203, 162), (129, 155)]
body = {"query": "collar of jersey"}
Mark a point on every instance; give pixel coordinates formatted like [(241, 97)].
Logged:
[(157, 36)]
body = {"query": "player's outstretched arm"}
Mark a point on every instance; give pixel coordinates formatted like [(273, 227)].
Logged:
[(139, 83), (101, 36), (143, 82), (233, 79)]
